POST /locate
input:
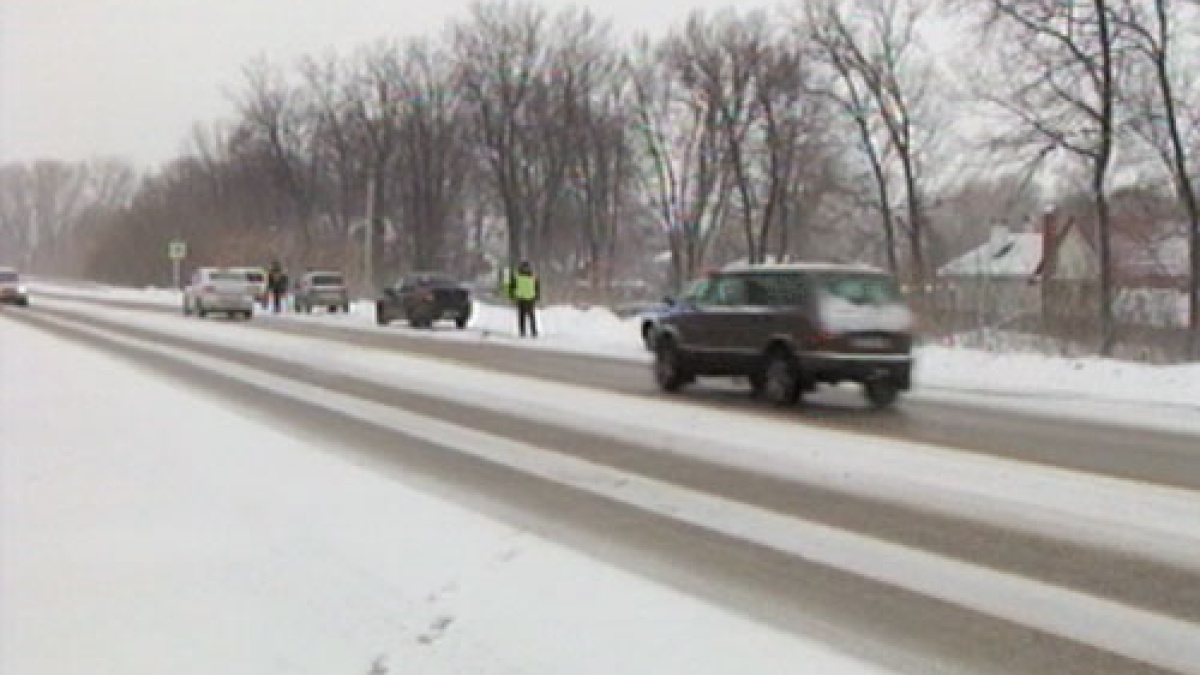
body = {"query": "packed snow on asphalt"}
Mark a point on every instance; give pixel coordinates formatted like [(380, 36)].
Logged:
[(147, 528)]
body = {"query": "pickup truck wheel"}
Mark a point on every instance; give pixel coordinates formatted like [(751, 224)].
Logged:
[(460, 323), (781, 379)]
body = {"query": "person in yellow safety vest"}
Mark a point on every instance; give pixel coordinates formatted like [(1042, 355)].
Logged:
[(525, 289)]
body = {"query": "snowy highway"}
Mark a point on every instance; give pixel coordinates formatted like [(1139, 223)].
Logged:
[(946, 536)]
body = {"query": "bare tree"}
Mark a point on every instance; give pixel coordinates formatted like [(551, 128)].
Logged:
[(374, 99), (1159, 118), (594, 111), (687, 180), (1062, 62), (433, 160), (828, 33), (501, 54), (272, 132), (882, 87)]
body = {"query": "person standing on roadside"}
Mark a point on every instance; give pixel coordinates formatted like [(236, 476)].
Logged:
[(277, 286), (525, 290)]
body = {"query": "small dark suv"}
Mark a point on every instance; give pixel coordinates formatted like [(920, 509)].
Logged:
[(423, 298), (787, 328)]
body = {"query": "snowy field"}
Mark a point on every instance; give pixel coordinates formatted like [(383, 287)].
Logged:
[(198, 540), (1092, 389)]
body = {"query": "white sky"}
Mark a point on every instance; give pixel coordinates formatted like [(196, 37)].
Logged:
[(128, 78)]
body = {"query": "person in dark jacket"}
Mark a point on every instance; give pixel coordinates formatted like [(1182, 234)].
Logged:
[(277, 286), (525, 290)]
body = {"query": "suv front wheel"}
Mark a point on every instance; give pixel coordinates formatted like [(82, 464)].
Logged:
[(781, 378), (669, 371)]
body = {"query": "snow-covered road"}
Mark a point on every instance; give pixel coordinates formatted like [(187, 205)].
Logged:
[(146, 528), (975, 544)]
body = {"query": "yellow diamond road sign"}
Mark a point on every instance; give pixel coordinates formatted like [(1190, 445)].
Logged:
[(177, 250)]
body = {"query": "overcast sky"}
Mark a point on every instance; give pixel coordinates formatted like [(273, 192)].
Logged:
[(128, 78)]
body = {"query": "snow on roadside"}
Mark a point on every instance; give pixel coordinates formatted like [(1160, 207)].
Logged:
[(1012, 380), (972, 370), (147, 528)]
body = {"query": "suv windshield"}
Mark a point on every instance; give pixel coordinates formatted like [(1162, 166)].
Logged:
[(860, 288), (327, 280), (228, 276), (8, 278)]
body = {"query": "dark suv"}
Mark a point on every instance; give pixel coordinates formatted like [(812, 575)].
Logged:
[(787, 328), (423, 298)]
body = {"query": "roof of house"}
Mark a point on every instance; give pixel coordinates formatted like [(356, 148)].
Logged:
[(1012, 254)]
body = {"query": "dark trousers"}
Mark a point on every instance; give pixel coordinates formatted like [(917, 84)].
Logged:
[(526, 314)]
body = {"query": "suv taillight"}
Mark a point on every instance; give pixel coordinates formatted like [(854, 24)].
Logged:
[(821, 338)]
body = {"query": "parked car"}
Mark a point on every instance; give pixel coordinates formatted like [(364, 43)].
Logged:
[(217, 289), (12, 292), (321, 289), (423, 298), (788, 328), (257, 277)]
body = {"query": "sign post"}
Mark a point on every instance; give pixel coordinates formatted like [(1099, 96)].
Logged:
[(176, 251)]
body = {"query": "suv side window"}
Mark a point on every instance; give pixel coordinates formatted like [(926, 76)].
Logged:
[(696, 291), (783, 290), (729, 291)]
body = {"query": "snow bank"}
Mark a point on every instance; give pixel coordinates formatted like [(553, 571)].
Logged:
[(980, 371)]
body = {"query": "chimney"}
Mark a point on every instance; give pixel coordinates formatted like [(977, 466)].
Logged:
[(1049, 243)]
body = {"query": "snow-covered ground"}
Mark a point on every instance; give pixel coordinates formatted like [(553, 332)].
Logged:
[(503, 569), (1086, 388), (147, 529)]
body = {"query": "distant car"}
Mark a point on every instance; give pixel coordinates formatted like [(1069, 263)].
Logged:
[(11, 290), (257, 277), (788, 328), (423, 298), (223, 290), (321, 289)]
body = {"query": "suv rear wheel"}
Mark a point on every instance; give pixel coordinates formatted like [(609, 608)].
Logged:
[(781, 378), (880, 393), (669, 372)]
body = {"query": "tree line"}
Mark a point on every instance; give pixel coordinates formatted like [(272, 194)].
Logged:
[(832, 129)]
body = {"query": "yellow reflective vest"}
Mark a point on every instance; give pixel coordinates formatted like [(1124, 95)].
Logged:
[(525, 287)]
